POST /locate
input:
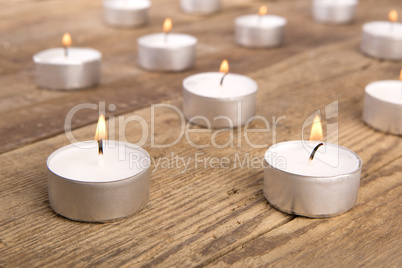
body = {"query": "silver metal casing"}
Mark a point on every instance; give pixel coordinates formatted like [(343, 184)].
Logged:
[(381, 46), (167, 58), (98, 201), (200, 6), (309, 196), (68, 76), (382, 115), (128, 17), (258, 37), (220, 113), (325, 11)]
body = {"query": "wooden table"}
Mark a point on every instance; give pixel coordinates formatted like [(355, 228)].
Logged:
[(205, 216)]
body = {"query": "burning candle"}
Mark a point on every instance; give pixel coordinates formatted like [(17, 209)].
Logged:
[(334, 11), (383, 39), (383, 106), (167, 51), (219, 100), (99, 180), (201, 7), (67, 67), (311, 179), (260, 30), (126, 13)]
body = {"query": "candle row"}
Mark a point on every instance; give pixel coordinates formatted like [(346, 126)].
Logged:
[(96, 181)]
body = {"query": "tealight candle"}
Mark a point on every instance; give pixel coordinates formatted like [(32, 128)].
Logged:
[(126, 13), (219, 100), (201, 6), (167, 51), (383, 39), (98, 181), (383, 106), (67, 68), (296, 182), (334, 11), (260, 30)]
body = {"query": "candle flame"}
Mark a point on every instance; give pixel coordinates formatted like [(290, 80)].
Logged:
[(263, 11), (101, 129), (224, 67), (316, 129), (167, 25), (393, 15), (66, 40)]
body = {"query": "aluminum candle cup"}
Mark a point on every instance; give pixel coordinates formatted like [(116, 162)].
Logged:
[(208, 104), (126, 13), (383, 106), (85, 187), (260, 31), (326, 187), (201, 6), (334, 11), (382, 40), (167, 52), (80, 69)]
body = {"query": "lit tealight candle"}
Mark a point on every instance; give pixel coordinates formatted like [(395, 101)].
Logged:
[(383, 39), (311, 179), (219, 100), (67, 67), (201, 6), (126, 13), (260, 30), (99, 180), (334, 11), (167, 51), (383, 106)]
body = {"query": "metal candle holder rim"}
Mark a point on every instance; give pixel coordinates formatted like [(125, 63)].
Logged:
[(37, 59), (263, 26), (223, 99), (378, 34), (194, 42), (299, 176), (132, 146), (379, 100), (147, 4)]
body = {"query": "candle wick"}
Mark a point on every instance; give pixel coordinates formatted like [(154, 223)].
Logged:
[(315, 150), (223, 77), (100, 147), (66, 51), (166, 37)]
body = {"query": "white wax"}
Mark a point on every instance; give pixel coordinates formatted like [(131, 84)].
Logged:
[(337, 3), (167, 41), (388, 91), (208, 85), (81, 161), (384, 28), (75, 56), (127, 4), (293, 157), (264, 22)]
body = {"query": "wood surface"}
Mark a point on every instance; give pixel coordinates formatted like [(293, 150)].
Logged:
[(204, 216)]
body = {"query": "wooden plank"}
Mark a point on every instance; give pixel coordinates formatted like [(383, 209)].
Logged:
[(123, 83), (200, 216), (358, 238)]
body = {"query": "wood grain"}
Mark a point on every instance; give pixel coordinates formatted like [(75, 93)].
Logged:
[(24, 108), (203, 215)]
